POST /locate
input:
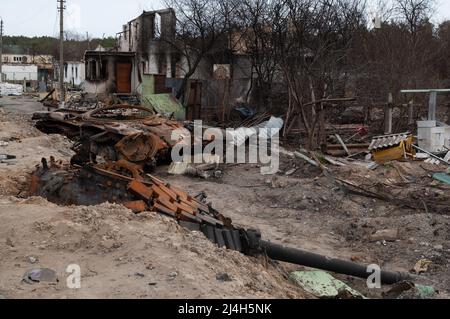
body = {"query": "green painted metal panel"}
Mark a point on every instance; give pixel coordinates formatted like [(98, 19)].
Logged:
[(321, 284), (148, 85), (165, 104), (442, 177)]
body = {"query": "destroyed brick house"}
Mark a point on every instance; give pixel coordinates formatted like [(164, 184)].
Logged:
[(139, 53), (146, 65)]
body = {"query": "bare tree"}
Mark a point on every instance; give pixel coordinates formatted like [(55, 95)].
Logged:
[(415, 13), (256, 19), (202, 27), (314, 41)]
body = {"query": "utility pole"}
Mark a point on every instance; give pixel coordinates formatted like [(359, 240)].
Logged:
[(61, 8), (88, 42), (388, 115), (1, 50)]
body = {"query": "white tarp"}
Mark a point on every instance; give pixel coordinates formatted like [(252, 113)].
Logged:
[(265, 130), (7, 89)]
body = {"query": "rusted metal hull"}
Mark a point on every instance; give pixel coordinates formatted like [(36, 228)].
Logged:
[(116, 133), (91, 185)]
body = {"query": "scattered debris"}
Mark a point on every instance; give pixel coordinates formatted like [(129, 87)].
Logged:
[(191, 212), (40, 275), (322, 285), (409, 290), (290, 172), (114, 133), (224, 277), (9, 89), (205, 171), (442, 177), (306, 158), (136, 207), (9, 242), (338, 137), (422, 266), (386, 234), (392, 147), (430, 154), (173, 275), (265, 130), (355, 149), (4, 158), (3, 144)]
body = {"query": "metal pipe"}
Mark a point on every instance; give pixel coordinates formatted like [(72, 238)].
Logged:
[(307, 259), (426, 91)]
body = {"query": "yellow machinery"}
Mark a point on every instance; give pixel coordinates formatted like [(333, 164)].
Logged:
[(392, 147)]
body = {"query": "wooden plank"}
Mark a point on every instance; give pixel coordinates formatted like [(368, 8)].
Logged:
[(343, 144), (306, 158)]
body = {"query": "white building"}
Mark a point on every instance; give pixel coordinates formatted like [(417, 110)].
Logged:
[(26, 59), (20, 72), (74, 72)]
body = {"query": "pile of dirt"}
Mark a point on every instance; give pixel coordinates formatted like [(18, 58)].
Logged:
[(124, 255), (29, 146)]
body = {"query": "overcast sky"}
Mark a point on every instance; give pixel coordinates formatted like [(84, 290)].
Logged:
[(98, 17)]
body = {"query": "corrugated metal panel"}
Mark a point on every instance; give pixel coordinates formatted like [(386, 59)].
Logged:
[(386, 141), (165, 104)]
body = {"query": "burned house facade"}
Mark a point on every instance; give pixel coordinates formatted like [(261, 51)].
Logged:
[(140, 51), (109, 72), (146, 63), (149, 36)]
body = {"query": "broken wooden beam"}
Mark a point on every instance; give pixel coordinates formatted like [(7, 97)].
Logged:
[(306, 159), (341, 141)]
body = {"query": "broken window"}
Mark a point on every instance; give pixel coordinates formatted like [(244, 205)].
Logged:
[(125, 30), (90, 70), (96, 70), (65, 70), (157, 27)]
